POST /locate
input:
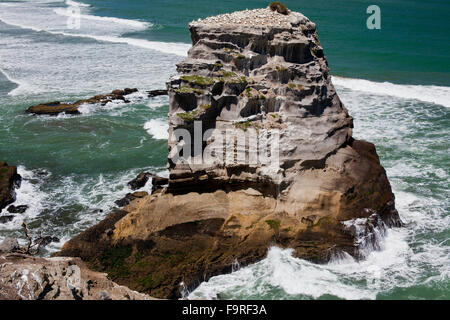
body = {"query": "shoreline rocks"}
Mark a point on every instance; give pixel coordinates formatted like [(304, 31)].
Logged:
[(130, 197), (57, 107), (24, 277), (140, 181), (10, 180), (270, 79)]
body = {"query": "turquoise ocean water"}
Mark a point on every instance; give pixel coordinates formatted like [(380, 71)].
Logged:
[(394, 81)]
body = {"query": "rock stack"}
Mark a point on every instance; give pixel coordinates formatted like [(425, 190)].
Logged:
[(294, 180)]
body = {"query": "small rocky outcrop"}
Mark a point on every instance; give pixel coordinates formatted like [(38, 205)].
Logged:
[(6, 218), (140, 181), (57, 107), (24, 277), (156, 93), (260, 72), (17, 209), (9, 181)]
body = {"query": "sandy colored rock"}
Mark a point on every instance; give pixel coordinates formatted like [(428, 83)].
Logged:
[(24, 277)]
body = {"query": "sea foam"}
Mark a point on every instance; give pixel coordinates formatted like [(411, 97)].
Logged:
[(157, 128), (434, 94)]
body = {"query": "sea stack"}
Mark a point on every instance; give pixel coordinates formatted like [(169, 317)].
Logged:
[(297, 180)]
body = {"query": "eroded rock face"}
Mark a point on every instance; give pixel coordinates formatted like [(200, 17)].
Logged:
[(9, 181), (24, 277), (272, 80)]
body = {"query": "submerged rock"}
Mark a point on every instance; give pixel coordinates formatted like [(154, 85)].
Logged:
[(9, 181), (57, 107), (46, 240), (270, 80), (17, 209), (6, 218)]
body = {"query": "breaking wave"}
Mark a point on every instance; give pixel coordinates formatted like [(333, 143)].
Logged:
[(434, 94)]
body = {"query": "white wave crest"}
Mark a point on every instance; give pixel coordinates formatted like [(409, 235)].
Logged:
[(158, 129), (106, 29), (434, 94), (132, 23), (395, 265), (77, 4)]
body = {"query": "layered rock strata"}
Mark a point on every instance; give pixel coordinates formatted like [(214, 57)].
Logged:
[(275, 163)]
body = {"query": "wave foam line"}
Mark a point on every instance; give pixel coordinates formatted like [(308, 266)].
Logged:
[(132, 23), (8, 77), (176, 48), (158, 129), (434, 94), (77, 4), (21, 85)]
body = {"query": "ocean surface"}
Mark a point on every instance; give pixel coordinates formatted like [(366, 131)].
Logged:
[(394, 81)]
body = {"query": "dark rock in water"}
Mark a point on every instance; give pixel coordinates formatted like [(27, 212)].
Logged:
[(46, 240), (6, 219), (140, 180), (17, 209), (56, 107), (130, 197), (156, 93), (9, 181), (97, 211), (124, 92), (42, 172), (122, 202), (9, 245), (158, 183)]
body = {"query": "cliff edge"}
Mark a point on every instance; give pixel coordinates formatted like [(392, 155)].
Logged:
[(260, 153)]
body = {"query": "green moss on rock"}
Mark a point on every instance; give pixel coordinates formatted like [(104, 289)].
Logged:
[(274, 224), (199, 80), (186, 89)]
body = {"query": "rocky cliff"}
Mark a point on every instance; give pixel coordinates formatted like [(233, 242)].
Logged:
[(24, 277), (260, 153), (9, 181)]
